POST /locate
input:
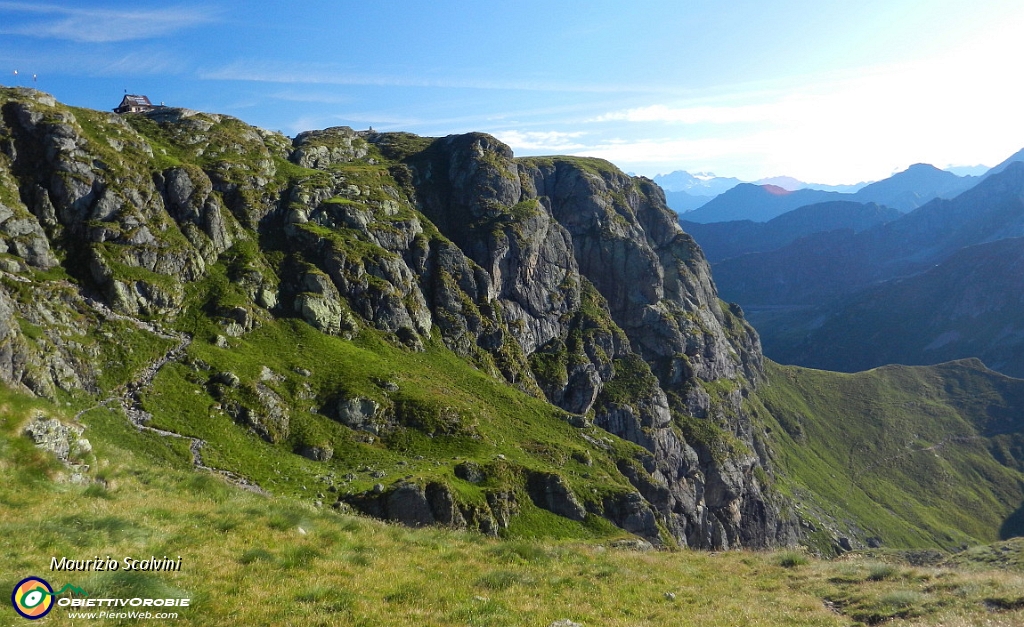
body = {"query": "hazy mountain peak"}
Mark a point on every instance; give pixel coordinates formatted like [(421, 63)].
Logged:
[(923, 167), (699, 184), (776, 190), (913, 187), (759, 203), (967, 170), (785, 182), (1015, 157)]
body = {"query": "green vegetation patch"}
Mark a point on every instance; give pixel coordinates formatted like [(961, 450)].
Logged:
[(250, 559), (899, 452)]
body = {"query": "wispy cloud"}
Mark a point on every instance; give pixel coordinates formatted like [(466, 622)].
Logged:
[(554, 141), (140, 61), (698, 114), (275, 72), (316, 98), (97, 25)]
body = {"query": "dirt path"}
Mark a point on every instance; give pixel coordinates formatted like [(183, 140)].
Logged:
[(129, 395), (909, 450)]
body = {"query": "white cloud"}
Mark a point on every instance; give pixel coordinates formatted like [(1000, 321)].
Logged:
[(316, 98), (697, 114), (961, 107), (553, 141), (714, 154), (94, 25)]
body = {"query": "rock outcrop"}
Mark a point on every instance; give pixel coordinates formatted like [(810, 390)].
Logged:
[(64, 441), (562, 276), (599, 283), (434, 504)]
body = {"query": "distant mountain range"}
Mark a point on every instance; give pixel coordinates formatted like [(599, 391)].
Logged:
[(709, 184), (970, 304), (903, 191), (722, 240), (906, 190), (699, 184), (681, 202), (686, 192), (934, 284), (758, 203), (968, 170), (792, 184), (840, 262)]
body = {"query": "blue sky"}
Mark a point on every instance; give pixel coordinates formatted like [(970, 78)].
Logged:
[(825, 91)]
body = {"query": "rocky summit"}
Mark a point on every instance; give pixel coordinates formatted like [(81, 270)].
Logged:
[(433, 330), (564, 277)]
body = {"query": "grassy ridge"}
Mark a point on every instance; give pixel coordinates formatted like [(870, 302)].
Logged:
[(910, 456)]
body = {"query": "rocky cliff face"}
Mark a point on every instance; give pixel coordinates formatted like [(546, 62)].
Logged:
[(548, 230), (562, 276)]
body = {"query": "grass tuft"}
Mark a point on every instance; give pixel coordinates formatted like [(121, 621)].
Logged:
[(881, 572), (504, 579), (255, 555), (792, 559)]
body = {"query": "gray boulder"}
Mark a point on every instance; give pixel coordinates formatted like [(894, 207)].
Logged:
[(549, 491), (64, 441), (317, 453), (361, 414)]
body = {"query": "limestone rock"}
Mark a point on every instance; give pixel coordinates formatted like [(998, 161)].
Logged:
[(229, 379), (64, 441), (316, 453), (22, 235), (320, 305), (503, 507), (361, 414), (469, 471), (444, 506), (322, 149), (412, 505), (633, 544), (632, 513), (269, 416), (549, 491)]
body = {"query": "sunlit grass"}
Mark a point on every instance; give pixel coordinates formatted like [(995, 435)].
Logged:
[(254, 560)]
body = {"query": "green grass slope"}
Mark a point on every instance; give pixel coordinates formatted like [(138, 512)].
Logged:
[(908, 456), (449, 413), (466, 416), (255, 560)]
